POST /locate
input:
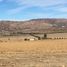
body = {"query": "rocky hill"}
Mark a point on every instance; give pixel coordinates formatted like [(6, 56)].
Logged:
[(33, 26)]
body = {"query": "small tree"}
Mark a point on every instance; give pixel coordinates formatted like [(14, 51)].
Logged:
[(45, 36)]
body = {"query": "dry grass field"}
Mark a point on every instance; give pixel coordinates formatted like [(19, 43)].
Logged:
[(14, 52)]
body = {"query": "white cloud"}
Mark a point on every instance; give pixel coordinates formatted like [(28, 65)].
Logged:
[(15, 10), (64, 9), (39, 2)]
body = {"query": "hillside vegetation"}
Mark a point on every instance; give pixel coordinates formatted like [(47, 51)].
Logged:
[(33, 26)]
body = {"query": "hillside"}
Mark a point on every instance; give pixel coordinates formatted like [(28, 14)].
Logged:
[(33, 26)]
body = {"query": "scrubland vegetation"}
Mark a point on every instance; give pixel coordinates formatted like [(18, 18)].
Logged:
[(15, 52)]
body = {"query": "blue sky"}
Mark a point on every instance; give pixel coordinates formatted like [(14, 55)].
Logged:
[(32, 9)]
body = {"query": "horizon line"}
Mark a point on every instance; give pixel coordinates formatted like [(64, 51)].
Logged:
[(28, 19)]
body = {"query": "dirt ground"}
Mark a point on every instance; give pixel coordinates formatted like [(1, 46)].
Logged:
[(39, 53)]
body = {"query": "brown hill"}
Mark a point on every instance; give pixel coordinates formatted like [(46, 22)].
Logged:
[(33, 26)]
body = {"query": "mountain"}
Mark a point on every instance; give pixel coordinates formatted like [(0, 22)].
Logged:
[(33, 26)]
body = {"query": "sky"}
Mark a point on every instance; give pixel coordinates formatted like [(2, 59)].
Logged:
[(32, 9)]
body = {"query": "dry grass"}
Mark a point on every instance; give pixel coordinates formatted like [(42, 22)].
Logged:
[(28, 46), (43, 53)]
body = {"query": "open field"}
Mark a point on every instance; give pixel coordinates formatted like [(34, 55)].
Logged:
[(15, 52)]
